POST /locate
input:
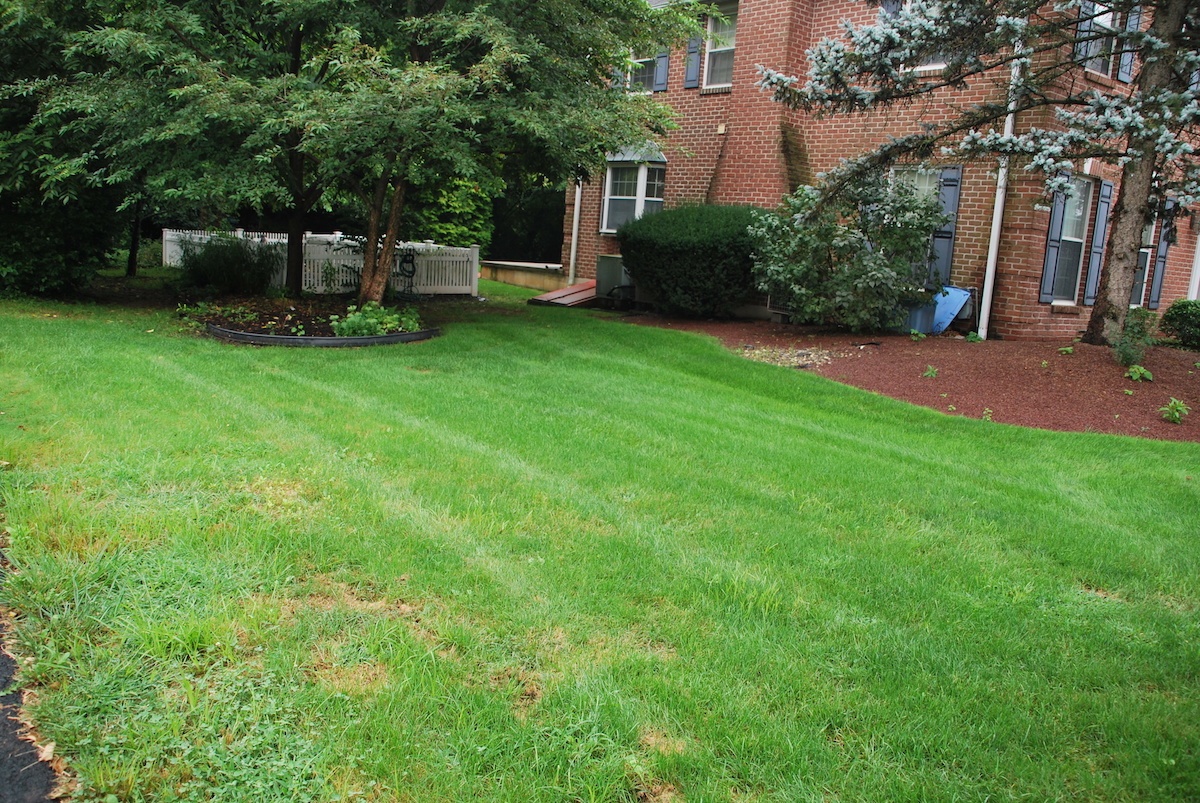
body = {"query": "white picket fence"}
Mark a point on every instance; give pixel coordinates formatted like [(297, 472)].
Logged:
[(333, 263)]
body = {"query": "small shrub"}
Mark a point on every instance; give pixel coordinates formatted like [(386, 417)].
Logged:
[(1136, 337), (1174, 410), (694, 260), (372, 319), (1182, 322), (231, 265), (973, 337), (1138, 374), (915, 335)]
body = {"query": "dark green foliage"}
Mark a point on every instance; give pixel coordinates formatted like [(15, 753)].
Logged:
[(1136, 337), (695, 260), (232, 265), (1182, 322), (52, 248), (858, 259), (456, 213)]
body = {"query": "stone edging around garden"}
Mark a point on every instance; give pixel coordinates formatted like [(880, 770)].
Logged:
[(320, 342)]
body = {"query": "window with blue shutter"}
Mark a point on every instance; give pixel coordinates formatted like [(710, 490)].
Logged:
[(1099, 239), (661, 65), (1133, 22), (949, 189), (1083, 31), (691, 69), (1165, 235), (1053, 245)]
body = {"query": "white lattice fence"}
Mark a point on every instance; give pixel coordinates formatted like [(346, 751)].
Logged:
[(333, 263)]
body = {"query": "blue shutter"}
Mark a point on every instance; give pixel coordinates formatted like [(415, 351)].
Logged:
[(1053, 244), (661, 62), (1133, 22), (891, 8), (1099, 238), (1083, 31), (943, 238), (1160, 255), (691, 70)]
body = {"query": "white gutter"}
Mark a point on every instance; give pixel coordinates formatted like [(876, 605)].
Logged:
[(575, 233), (1194, 284), (993, 255)]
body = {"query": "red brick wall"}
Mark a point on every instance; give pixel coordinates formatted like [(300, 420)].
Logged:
[(729, 149)]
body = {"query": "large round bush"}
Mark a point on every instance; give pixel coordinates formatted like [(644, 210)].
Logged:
[(694, 260), (1182, 321)]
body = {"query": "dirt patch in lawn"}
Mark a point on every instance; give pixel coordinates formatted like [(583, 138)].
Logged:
[(1059, 385)]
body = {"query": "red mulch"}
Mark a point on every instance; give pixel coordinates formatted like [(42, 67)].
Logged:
[(1028, 383)]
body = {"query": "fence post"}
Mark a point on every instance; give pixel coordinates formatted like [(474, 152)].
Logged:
[(474, 269)]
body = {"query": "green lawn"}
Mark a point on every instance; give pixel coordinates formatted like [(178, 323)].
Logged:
[(553, 557)]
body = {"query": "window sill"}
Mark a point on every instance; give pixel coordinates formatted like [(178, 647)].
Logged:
[(717, 90), (1065, 308)]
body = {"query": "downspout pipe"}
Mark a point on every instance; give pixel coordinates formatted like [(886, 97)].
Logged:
[(575, 233), (993, 254)]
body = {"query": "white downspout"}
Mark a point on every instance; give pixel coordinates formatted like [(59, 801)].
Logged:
[(575, 233), (1194, 284), (993, 255)]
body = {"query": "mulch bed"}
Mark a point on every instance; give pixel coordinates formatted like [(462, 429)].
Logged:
[(1028, 383)]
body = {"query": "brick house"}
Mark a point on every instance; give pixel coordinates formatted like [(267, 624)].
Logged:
[(736, 146)]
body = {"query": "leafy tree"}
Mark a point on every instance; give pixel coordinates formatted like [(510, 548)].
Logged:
[(1033, 51), (265, 103)]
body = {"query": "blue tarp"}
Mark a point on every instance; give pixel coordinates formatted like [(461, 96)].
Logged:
[(947, 304)]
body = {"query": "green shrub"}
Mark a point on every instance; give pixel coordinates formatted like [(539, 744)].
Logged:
[(1136, 337), (859, 259), (694, 260), (231, 264), (372, 319), (1182, 322), (53, 248)]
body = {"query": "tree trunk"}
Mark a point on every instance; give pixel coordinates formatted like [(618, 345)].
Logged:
[(294, 282), (1132, 210), (135, 241), (375, 277)]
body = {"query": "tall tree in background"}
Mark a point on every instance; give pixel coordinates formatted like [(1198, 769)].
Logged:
[(279, 102), (1034, 52)]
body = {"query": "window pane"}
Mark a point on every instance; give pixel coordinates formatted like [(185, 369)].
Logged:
[(1066, 277), (1139, 280), (1075, 217), (720, 68), (651, 207), (620, 211), (724, 31), (656, 179), (642, 77), (623, 182)]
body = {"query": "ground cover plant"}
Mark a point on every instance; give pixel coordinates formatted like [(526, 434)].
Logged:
[(549, 556)]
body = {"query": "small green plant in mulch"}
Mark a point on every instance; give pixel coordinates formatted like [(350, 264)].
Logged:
[(1174, 410), (1136, 337), (973, 337), (916, 335), (373, 319), (930, 372), (1067, 350), (1139, 374)]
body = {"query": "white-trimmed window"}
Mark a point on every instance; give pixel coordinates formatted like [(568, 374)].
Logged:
[(641, 75), (630, 191), (1074, 234), (1137, 294), (1102, 35), (936, 61), (718, 61)]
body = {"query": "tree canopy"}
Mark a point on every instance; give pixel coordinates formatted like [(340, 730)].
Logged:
[(288, 103), (1034, 52)]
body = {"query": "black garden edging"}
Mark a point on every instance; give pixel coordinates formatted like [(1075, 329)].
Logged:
[(320, 342)]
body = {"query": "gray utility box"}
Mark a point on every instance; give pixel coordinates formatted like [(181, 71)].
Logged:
[(611, 274)]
